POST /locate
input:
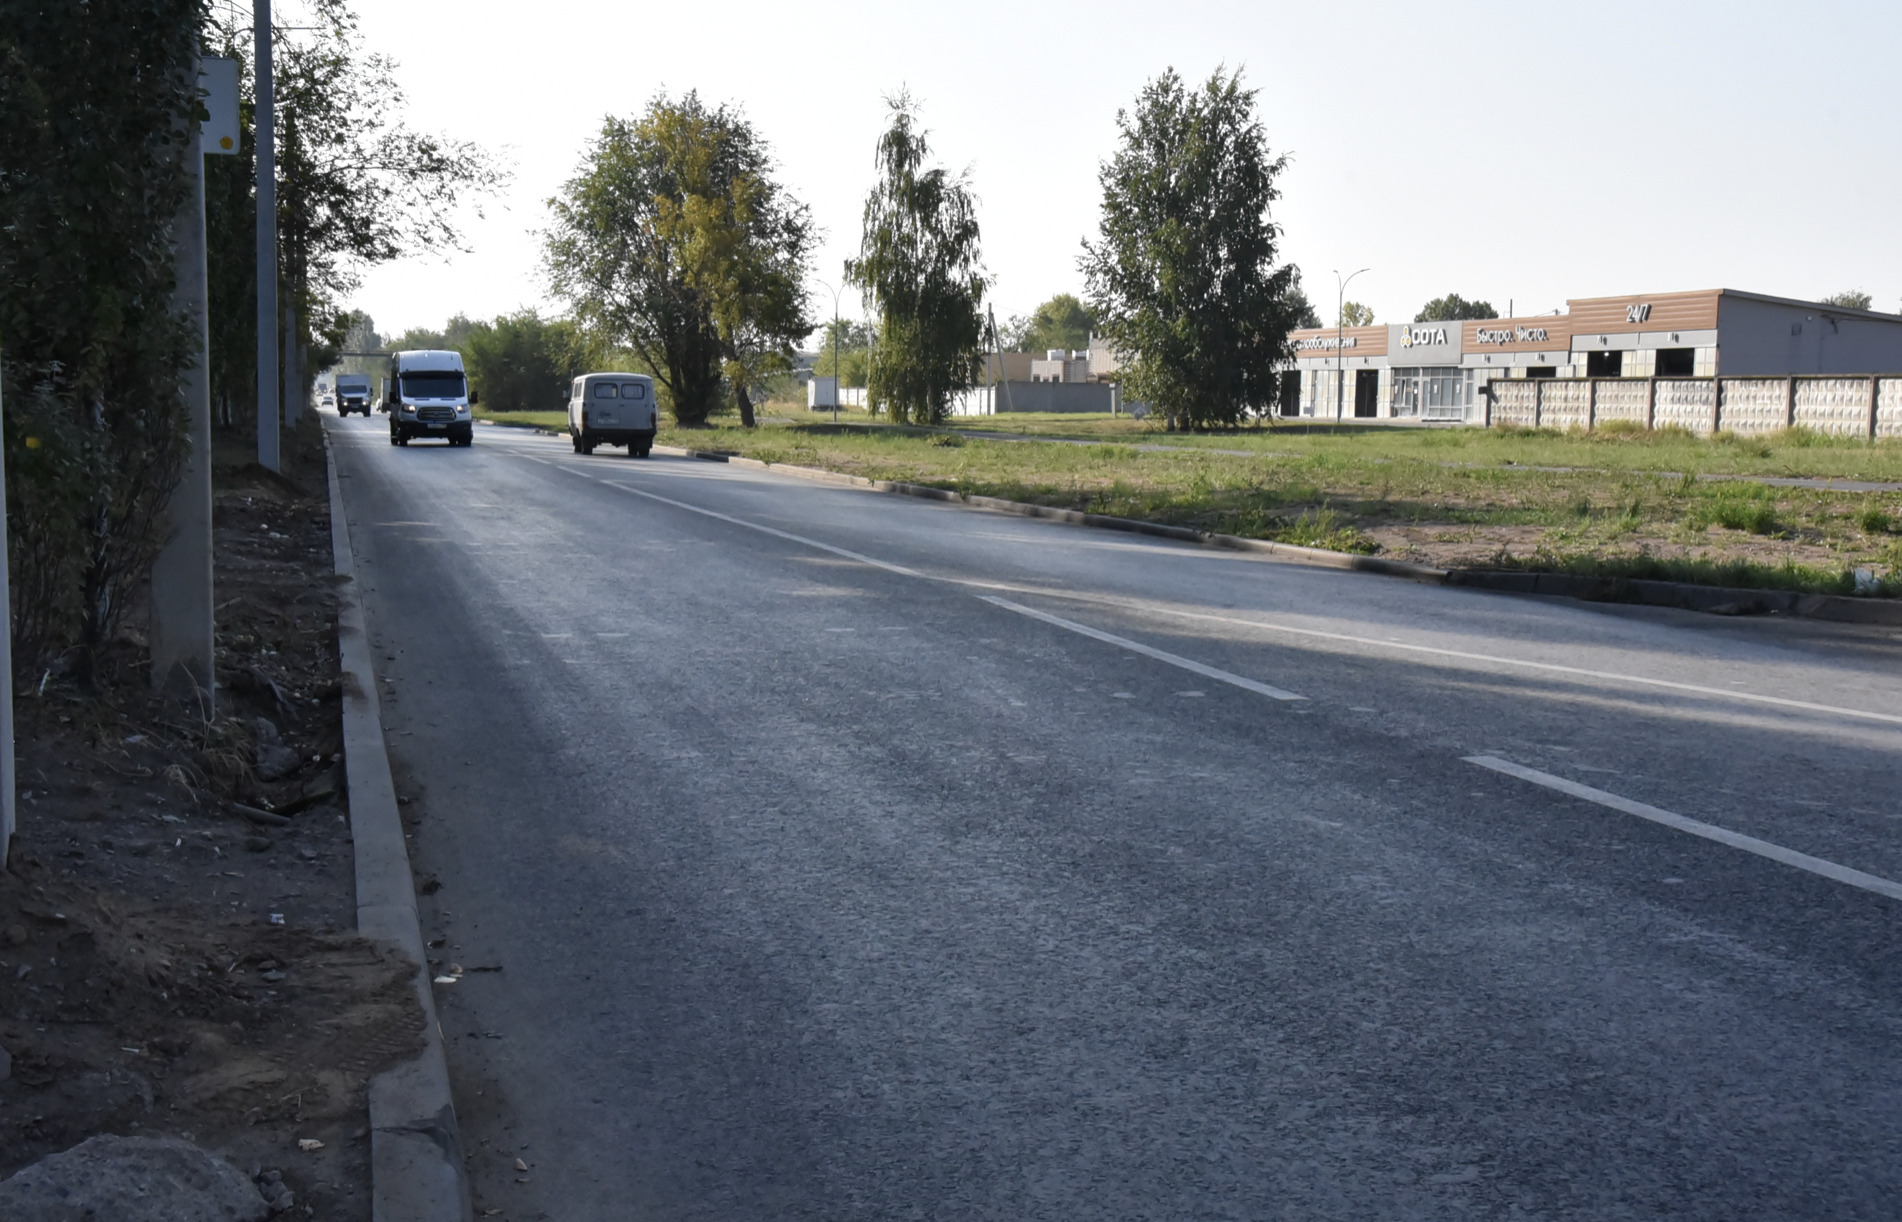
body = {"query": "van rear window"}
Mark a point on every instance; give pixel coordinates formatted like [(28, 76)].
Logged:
[(432, 384), (604, 390), (633, 390)]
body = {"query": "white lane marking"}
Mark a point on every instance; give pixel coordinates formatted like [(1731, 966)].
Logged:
[(783, 534), (1271, 626), (1736, 840), (1464, 655), (1123, 642)]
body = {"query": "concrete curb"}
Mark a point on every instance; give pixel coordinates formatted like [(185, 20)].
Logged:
[(1719, 600), (416, 1167)]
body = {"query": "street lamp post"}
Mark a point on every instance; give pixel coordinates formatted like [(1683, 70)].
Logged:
[(1340, 334)]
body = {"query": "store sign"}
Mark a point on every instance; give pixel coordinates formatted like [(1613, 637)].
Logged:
[(1422, 336), (1519, 335), (1638, 313), (1326, 341)]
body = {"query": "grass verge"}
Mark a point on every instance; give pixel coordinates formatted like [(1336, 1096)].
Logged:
[(1556, 516)]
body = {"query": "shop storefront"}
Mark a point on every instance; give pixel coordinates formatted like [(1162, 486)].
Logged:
[(1439, 371)]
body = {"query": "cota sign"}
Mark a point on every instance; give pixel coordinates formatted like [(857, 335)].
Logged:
[(1422, 336)]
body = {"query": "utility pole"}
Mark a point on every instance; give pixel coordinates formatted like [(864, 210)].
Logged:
[(266, 124), (6, 685), (1340, 336), (182, 633)]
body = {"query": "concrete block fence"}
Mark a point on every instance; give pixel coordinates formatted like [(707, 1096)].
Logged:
[(1842, 405)]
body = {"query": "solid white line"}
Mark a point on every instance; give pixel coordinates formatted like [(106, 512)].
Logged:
[(800, 539), (1207, 672), (1271, 626), (1465, 655), (1736, 840)]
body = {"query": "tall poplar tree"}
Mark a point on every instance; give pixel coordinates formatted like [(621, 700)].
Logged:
[(919, 268), (1183, 279)]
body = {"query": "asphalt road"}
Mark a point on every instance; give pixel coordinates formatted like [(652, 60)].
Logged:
[(848, 856)]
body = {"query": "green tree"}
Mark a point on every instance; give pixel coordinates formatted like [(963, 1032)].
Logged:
[(920, 270), (850, 343), (356, 187), (742, 242), (1454, 308), (1061, 322), (1852, 299), (1183, 277), (1354, 314), (674, 241), (1301, 311), (95, 102), (523, 362)]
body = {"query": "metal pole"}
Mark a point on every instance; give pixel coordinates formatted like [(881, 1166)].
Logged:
[(265, 119), (181, 597), (6, 686), (838, 351), (1340, 336)]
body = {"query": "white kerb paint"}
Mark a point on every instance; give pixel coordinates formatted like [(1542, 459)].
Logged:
[(1709, 831)]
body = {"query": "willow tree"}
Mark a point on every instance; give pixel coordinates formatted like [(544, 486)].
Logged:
[(919, 268), (675, 242), (1183, 279)]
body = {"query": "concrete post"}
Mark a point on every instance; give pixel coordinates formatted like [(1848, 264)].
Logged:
[(1591, 405), (1651, 402), (266, 131), (1872, 407), (182, 644), (6, 685), (293, 375), (1716, 405), (1538, 401), (1789, 402)]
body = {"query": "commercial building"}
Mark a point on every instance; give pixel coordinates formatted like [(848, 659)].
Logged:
[(1441, 371)]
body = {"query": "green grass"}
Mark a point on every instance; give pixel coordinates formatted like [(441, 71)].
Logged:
[(1362, 484), (543, 420), (1740, 574), (1795, 452)]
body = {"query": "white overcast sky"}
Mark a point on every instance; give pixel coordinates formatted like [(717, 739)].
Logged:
[(1522, 151)]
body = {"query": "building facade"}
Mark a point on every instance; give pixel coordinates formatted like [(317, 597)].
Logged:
[(1439, 371)]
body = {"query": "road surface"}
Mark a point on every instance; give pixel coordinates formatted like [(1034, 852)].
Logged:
[(849, 856)]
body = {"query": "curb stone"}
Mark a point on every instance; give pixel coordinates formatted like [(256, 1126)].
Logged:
[(416, 1163), (1716, 600)]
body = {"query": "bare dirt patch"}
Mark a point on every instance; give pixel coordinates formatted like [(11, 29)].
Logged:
[(176, 954)]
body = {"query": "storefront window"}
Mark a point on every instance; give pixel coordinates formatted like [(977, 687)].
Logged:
[(1432, 392)]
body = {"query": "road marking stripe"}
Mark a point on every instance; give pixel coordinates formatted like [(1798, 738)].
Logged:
[(1464, 655), (1736, 840), (801, 539), (1271, 626), (1122, 642)]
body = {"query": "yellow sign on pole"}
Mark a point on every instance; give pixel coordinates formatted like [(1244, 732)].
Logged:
[(218, 85)]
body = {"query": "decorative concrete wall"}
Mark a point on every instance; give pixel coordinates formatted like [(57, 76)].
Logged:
[(1842, 406)]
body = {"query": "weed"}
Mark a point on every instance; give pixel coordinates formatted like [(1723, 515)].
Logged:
[(1875, 520), (1324, 527)]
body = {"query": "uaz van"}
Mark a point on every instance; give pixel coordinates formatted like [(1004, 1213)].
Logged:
[(613, 409), (428, 396)]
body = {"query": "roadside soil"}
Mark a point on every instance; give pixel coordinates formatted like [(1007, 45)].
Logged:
[(176, 946)]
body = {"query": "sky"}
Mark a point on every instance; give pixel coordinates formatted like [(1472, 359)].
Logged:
[(1511, 152)]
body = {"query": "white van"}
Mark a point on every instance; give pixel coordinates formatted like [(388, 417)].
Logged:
[(613, 409), (429, 396), (353, 393)]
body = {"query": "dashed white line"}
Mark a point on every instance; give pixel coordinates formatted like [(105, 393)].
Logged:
[(1123, 642), (1694, 827)]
